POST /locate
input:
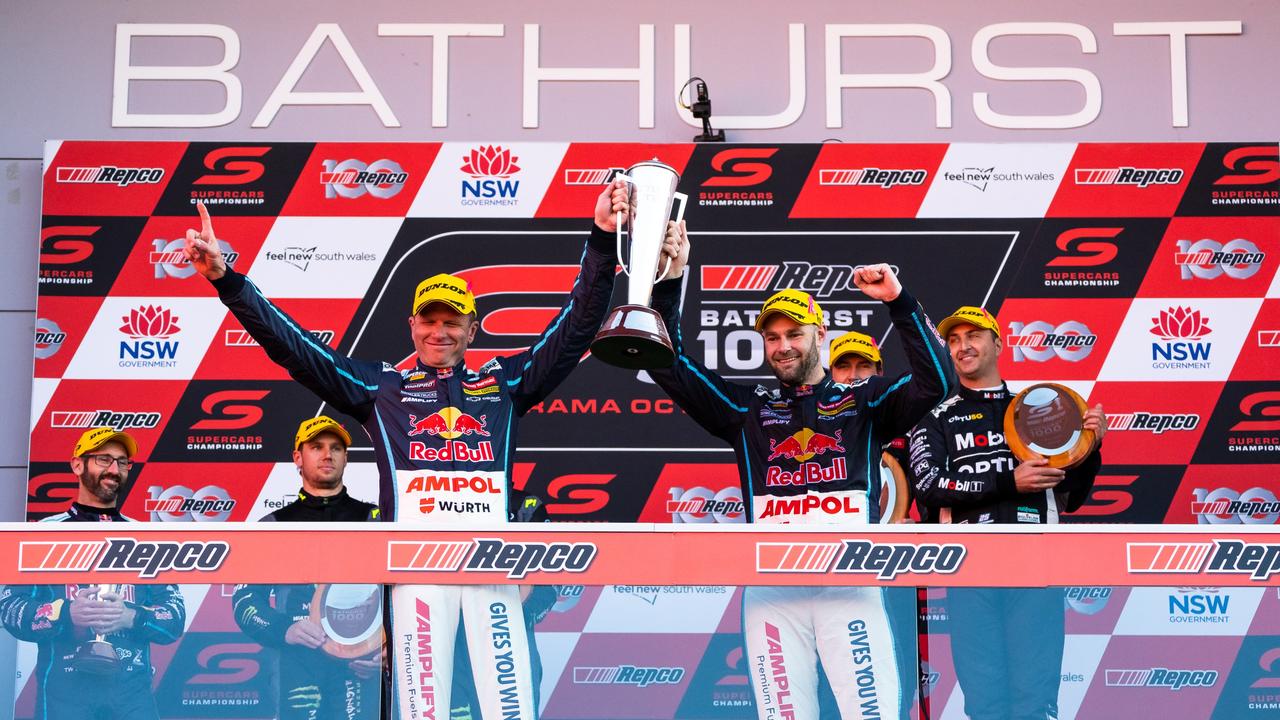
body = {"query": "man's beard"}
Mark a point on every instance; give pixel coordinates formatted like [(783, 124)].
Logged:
[(100, 491), (802, 369)]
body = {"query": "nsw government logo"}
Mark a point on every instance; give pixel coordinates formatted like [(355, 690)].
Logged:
[(491, 168), (149, 328), (1181, 331)]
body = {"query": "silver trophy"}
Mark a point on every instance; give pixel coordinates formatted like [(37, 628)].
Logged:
[(634, 336)]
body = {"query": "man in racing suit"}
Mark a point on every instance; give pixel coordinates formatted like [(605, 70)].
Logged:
[(313, 684), (444, 437), (808, 452), (1007, 643), (60, 618)]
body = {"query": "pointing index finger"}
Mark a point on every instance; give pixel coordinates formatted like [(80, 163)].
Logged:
[(206, 223)]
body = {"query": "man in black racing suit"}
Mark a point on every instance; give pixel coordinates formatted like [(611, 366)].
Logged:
[(313, 684), (60, 618), (1007, 643), (444, 437), (809, 452)]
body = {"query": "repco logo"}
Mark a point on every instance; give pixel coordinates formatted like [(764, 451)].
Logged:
[(1224, 506), (1083, 247), (1207, 259), (232, 166), (352, 179), (701, 505), (170, 260), (740, 167), (144, 558), (518, 559), (182, 504), (109, 175), (819, 280), (1039, 341)]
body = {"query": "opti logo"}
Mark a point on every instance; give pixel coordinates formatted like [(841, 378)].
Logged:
[(1142, 177), (353, 178), (170, 259), (1224, 506), (109, 175), (232, 166), (1040, 341), (1207, 259), (701, 505), (231, 410), (103, 418), (740, 167), (873, 177), (49, 338), (182, 504), (144, 558), (1262, 410), (1254, 165)]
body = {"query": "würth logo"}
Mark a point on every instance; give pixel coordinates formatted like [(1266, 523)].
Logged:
[(109, 175), (516, 559), (144, 558), (737, 277), (884, 560)]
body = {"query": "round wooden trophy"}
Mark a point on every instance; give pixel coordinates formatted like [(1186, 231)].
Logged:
[(1047, 419), (351, 616), (895, 496)]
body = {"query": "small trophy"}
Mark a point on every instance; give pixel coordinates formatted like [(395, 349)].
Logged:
[(895, 495), (634, 336), (351, 617), (1048, 419), (97, 656)]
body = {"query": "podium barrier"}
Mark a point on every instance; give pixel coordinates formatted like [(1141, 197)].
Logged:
[(649, 554)]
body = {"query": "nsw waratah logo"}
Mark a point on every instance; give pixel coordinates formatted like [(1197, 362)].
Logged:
[(149, 328), (1182, 330), (491, 168), (1180, 323)]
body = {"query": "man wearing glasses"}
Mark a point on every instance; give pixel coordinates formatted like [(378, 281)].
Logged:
[(63, 618)]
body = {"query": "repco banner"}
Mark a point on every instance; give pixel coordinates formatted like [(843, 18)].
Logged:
[(673, 555)]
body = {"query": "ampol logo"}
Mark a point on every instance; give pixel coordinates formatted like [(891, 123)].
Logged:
[(149, 327), (490, 167), (1181, 329)]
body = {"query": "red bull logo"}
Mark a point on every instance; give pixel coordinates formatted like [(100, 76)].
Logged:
[(448, 423), (804, 445)]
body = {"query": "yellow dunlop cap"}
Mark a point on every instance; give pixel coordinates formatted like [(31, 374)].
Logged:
[(316, 425), (795, 304), (444, 288), (97, 437), (974, 316), (855, 343)]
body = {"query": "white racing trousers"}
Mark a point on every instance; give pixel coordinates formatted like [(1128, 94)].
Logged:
[(424, 623), (789, 629)]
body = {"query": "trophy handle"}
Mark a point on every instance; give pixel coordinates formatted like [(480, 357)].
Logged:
[(683, 200), (617, 223)]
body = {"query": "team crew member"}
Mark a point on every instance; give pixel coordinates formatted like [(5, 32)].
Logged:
[(808, 452), (1007, 643), (856, 356), (313, 684), (444, 436), (60, 618)]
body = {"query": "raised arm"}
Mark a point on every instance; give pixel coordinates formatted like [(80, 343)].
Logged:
[(347, 384)]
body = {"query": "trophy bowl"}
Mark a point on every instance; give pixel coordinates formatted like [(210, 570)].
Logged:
[(351, 617), (1048, 419)]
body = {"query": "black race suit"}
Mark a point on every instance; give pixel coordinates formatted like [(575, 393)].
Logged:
[(42, 614), (312, 683), (1007, 642), (811, 454), (445, 442)]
